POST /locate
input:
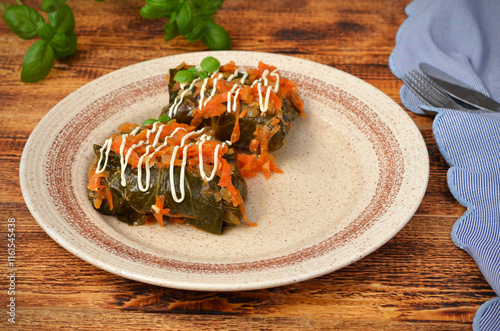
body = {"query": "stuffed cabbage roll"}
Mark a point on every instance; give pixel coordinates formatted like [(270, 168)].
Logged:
[(167, 172), (252, 108)]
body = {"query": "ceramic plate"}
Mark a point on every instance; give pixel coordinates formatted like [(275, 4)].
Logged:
[(355, 172)]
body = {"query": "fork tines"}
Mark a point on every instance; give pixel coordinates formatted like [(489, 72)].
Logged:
[(426, 90)]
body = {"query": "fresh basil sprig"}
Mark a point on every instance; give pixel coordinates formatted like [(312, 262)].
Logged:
[(162, 119), (192, 19), (208, 65), (57, 37)]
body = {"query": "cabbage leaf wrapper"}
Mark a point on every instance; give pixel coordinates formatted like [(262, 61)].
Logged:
[(252, 108), (205, 204)]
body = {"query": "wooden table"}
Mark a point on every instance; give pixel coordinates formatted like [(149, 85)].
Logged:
[(419, 280)]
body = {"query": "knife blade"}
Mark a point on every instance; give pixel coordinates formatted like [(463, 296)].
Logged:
[(458, 89)]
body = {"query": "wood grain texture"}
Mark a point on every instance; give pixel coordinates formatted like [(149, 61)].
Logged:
[(419, 280)]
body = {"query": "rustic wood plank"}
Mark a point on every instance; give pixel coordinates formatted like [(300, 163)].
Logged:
[(43, 319)]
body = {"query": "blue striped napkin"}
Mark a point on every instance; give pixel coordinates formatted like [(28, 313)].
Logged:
[(462, 37)]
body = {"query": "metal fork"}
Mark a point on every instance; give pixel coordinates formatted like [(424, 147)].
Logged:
[(429, 93)]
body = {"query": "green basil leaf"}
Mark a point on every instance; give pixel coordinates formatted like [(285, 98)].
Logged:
[(22, 21), (199, 3), (197, 25), (203, 74), (50, 6), (149, 122), (165, 6), (212, 7), (59, 41), (210, 64), (37, 62), (164, 118), (184, 16), (63, 20), (44, 30), (171, 29), (150, 13), (63, 45), (194, 71), (184, 76), (215, 37)]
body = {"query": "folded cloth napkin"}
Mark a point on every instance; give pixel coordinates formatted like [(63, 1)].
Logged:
[(462, 38)]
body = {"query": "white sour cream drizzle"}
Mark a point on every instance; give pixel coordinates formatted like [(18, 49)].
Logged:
[(146, 157), (264, 77), (172, 111), (233, 75), (245, 75), (107, 146), (214, 89), (200, 156), (264, 104), (181, 179), (153, 130), (158, 127), (153, 148), (236, 90), (204, 87), (139, 171), (124, 158), (183, 167), (231, 101), (166, 139), (134, 132), (148, 166), (277, 85)]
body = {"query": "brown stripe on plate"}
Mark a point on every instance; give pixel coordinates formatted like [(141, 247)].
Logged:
[(62, 155)]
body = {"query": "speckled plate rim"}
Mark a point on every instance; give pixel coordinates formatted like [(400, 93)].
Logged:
[(405, 148)]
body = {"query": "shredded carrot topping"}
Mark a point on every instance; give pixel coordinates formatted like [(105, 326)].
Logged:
[(251, 164), (235, 135), (101, 192), (127, 127), (259, 161), (229, 67), (192, 151), (241, 207), (251, 96), (159, 211)]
